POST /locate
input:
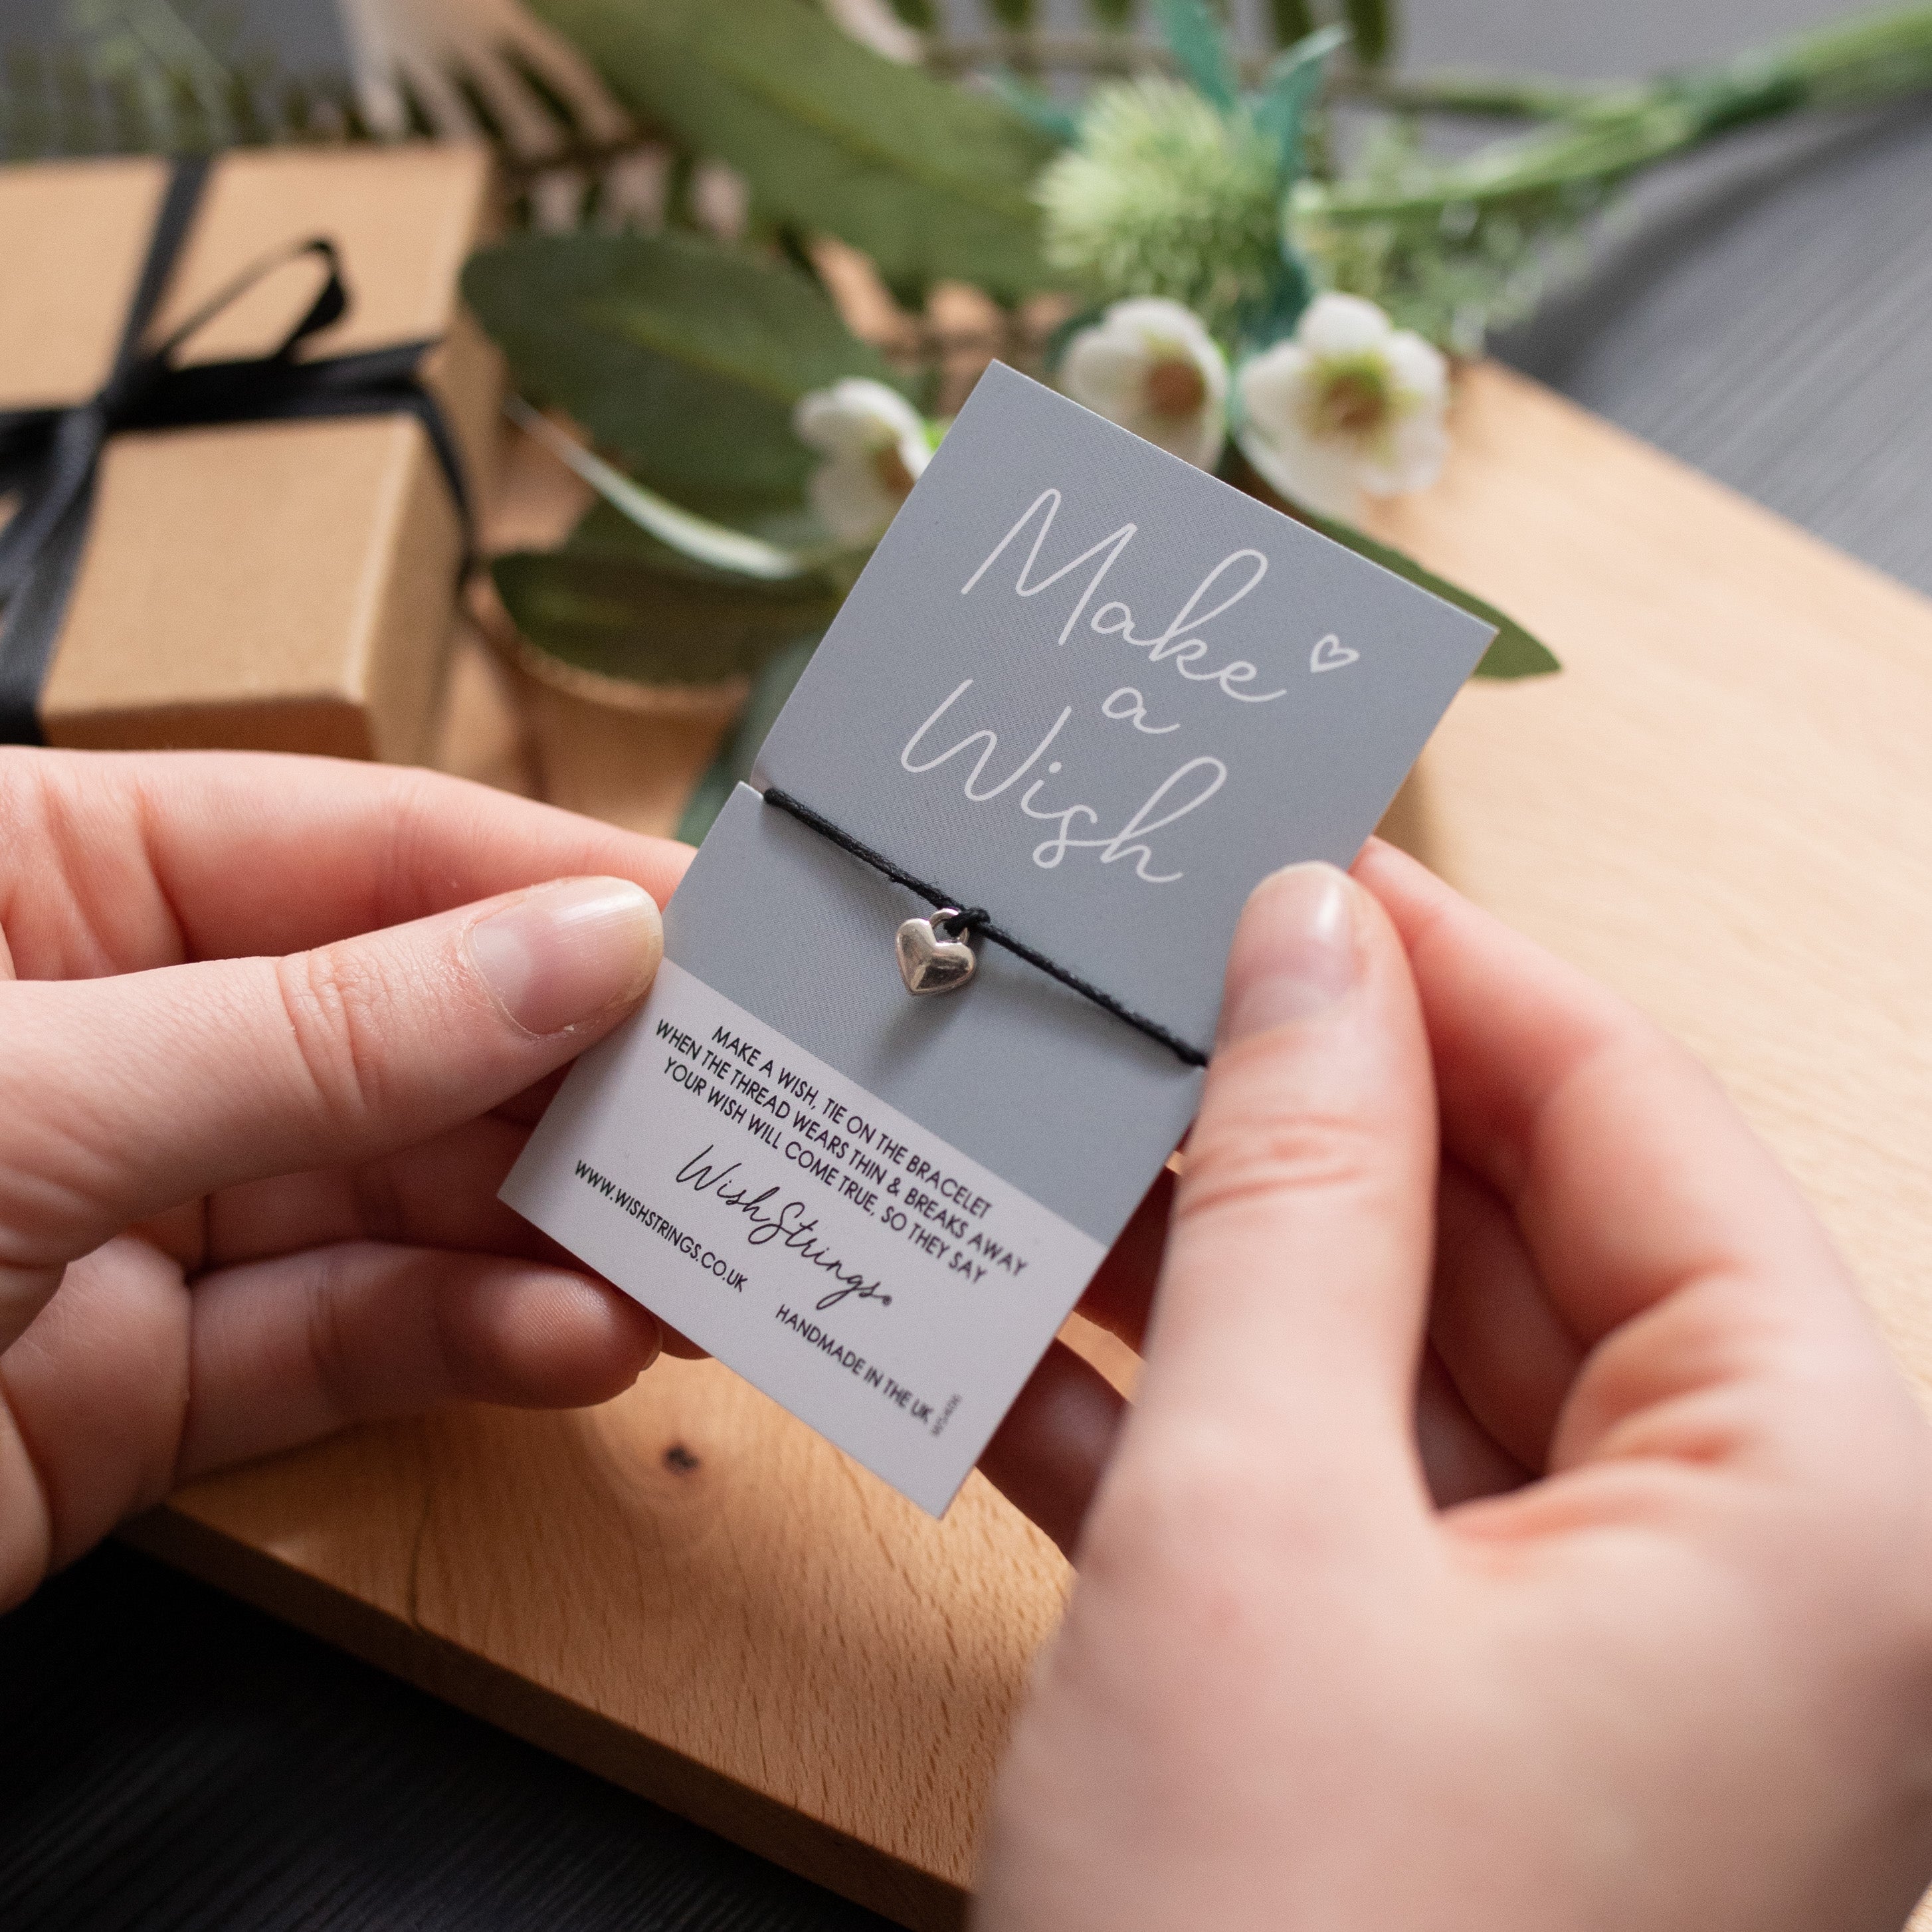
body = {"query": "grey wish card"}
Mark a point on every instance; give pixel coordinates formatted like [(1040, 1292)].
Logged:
[(1096, 694)]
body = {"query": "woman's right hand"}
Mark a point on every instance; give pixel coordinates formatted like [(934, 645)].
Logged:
[(1519, 1526)]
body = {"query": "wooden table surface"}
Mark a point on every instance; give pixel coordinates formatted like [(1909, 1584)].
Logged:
[(1724, 806)]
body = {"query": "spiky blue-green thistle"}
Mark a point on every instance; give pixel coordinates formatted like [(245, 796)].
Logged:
[(1166, 196)]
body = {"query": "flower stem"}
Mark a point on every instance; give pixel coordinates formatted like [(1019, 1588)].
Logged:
[(1503, 96), (1607, 134)]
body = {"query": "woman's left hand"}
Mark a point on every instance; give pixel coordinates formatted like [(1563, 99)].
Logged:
[(272, 1032)]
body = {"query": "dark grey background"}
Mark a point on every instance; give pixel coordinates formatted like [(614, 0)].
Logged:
[(1766, 311), (174, 1760)]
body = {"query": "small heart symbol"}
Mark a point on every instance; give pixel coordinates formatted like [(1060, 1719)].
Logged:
[(1331, 654), (929, 963)]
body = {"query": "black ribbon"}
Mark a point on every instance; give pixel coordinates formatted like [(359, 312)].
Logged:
[(51, 457)]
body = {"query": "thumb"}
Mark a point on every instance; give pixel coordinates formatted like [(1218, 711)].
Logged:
[(1282, 1359), (122, 1097)]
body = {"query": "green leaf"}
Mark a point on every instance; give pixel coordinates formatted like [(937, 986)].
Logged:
[(1293, 83), (607, 531), (693, 540), (733, 762), (601, 608), (1198, 42), (1372, 23), (682, 357), (1514, 653), (932, 181), (1274, 316)]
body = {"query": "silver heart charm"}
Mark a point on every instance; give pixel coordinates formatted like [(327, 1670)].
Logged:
[(929, 962)]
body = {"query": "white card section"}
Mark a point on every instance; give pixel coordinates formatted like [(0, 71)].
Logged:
[(886, 1289)]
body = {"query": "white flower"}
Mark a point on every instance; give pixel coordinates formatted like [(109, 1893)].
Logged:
[(1149, 365), (875, 446), (1349, 403)]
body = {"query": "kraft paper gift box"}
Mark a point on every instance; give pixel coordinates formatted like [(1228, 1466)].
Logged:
[(284, 584)]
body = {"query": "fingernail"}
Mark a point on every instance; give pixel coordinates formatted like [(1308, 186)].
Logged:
[(565, 953), (1295, 953)]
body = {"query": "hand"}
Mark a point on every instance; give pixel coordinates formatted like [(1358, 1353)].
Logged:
[(246, 1199), (1657, 1652)]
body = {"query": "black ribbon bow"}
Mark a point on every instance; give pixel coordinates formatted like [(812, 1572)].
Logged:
[(50, 457)]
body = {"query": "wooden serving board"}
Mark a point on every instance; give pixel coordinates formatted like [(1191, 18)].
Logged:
[(1723, 806)]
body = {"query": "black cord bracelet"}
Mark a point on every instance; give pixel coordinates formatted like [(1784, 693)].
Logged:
[(966, 922)]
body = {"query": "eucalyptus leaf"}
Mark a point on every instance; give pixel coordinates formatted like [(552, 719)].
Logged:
[(682, 357), (606, 531), (734, 761), (931, 181), (617, 616), (718, 549)]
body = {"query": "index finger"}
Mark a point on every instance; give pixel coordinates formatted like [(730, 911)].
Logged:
[(130, 860)]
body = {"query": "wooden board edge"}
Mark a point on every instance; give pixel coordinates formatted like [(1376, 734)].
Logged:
[(918, 1900)]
